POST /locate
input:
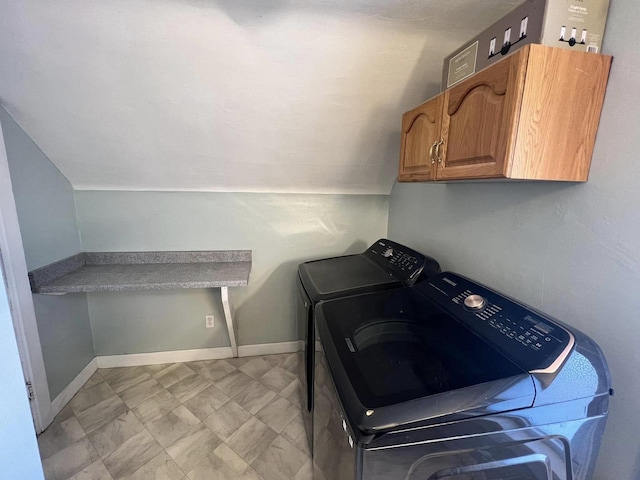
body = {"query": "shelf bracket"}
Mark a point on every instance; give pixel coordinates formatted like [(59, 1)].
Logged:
[(224, 293)]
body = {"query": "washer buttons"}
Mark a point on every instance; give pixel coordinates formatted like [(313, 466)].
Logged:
[(474, 302)]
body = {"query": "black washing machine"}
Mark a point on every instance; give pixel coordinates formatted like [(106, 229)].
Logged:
[(384, 265), (450, 380)]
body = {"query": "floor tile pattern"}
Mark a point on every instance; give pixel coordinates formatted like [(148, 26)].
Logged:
[(233, 419)]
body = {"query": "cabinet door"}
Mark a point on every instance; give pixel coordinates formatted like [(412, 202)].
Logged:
[(420, 132), (479, 121)]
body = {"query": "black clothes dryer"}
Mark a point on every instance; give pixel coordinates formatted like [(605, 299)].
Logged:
[(384, 265), (452, 380)]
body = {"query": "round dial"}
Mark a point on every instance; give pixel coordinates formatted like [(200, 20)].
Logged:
[(387, 253), (474, 302)]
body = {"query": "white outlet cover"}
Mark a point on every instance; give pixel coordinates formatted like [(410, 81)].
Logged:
[(210, 321)]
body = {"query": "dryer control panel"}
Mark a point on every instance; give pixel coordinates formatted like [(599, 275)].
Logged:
[(536, 343), (402, 262)]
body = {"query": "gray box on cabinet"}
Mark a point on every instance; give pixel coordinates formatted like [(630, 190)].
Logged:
[(575, 24)]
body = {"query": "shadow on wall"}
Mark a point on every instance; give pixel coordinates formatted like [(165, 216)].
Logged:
[(455, 205), (438, 26), (508, 235), (376, 137), (471, 198), (275, 294), (450, 15)]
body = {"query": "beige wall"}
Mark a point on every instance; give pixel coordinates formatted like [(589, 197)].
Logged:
[(47, 217), (282, 230)]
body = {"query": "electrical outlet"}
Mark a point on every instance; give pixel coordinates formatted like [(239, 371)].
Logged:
[(210, 321)]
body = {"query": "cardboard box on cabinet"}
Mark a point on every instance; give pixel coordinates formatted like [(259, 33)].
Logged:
[(575, 24)]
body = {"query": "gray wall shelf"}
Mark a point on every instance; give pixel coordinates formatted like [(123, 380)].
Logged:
[(124, 271)]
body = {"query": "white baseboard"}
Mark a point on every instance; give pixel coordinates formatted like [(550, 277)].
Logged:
[(155, 358), (76, 384), (178, 356), (270, 348)]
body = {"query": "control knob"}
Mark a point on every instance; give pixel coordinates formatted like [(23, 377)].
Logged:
[(474, 302), (387, 253)]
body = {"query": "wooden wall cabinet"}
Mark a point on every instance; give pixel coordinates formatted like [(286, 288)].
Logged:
[(531, 116)]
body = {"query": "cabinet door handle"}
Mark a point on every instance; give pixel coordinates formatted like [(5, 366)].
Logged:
[(431, 152), (438, 150)]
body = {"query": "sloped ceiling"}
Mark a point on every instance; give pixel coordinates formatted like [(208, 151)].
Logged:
[(227, 95)]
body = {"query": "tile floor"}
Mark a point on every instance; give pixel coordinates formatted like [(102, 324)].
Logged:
[(234, 419)]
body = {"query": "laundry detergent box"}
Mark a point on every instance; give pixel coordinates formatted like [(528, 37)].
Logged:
[(575, 24)]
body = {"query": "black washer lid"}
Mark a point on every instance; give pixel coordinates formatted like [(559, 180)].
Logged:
[(385, 264), (398, 359), (341, 276)]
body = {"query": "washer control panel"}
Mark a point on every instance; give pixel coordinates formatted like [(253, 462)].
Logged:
[(402, 262), (535, 342)]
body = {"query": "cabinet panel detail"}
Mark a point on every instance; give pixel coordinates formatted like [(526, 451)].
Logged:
[(531, 116), (479, 122), (420, 133)]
